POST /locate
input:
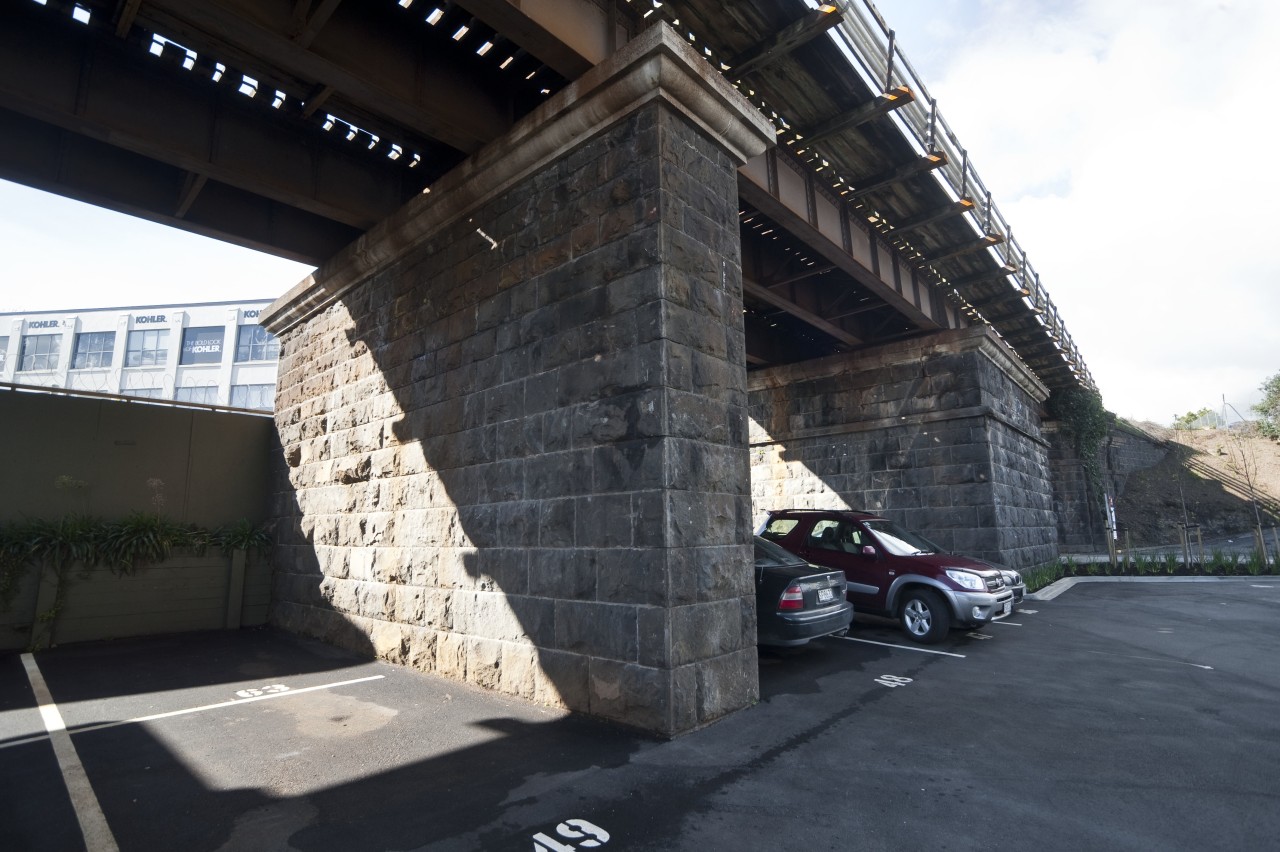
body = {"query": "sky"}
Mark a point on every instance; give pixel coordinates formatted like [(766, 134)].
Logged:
[(1120, 140)]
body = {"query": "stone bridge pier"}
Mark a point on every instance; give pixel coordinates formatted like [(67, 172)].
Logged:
[(940, 433), (513, 416)]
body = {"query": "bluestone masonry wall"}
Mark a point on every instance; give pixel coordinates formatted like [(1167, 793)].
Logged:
[(940, 433), (515, 454)]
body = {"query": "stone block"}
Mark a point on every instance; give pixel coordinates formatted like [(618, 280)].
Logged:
[(390, 641), (564, 680), (562, 573), (727, 683), (596, 629), (421, 654), (603, 520), (631, 576), (705, 630), (635, 695)]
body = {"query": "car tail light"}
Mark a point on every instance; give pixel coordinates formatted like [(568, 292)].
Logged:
[(792, 598)]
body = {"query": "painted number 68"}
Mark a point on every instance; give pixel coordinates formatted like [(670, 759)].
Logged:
[(588, 836)]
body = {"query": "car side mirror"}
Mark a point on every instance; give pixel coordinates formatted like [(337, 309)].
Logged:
[(868, 550)]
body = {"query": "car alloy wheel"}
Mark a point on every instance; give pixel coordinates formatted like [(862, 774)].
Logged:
[(924, 616)]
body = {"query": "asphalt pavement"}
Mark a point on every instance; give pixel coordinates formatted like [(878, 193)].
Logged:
[(1113, 716)]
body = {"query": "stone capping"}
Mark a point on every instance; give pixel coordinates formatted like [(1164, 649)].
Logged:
[(658, 65), (981, 338), (892, 422)]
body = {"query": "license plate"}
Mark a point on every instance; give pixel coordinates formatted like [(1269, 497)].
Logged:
[(1008, 608), (825, 595)]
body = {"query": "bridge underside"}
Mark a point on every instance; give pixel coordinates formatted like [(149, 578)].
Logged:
[(577, 319)]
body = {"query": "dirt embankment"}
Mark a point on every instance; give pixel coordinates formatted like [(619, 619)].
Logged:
[(1210, 477)]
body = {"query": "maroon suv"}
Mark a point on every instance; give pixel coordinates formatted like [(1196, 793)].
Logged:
[(893, 571)]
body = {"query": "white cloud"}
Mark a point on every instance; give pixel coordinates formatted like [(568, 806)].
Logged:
[(1125, 145)]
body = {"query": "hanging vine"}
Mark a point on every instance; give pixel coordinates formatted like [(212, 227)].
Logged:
[(1082, 417)]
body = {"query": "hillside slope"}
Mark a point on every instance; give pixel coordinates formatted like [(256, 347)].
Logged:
[(1206, 475)]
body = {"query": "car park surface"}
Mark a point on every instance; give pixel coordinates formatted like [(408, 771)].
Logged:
[(1115, 716)]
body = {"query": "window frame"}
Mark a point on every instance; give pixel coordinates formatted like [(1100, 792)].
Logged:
[(268, 346), (55, 353), (205, 390), (78, 354), (267, 392), (161, 350)]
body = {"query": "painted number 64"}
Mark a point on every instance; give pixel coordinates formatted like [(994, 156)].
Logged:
[(588, 835)]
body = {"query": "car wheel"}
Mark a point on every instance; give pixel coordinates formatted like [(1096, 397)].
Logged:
[(924, 616)]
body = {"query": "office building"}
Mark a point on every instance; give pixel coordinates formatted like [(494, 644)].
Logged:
[(213, 353)]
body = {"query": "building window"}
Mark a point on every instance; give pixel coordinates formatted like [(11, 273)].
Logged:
[(261, 397), (93, 349), (202, 345), (148, 348), (4, 352), (144, 393), (204, 394), (255, 343), (39, 352)]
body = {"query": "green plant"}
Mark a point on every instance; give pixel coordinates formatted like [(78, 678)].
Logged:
[(1038, 577), (242, 535), (1256, 563), (1269, 409), (15, 555), (141, 538), (122, 546), (1083, 417), (1169, 563), (1142, 565)]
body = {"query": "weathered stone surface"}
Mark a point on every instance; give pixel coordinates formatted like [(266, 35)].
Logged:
[(523, 465), (941, 434)]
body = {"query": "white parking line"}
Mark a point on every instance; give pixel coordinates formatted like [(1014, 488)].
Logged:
[(1008, 623), (93, 824), (101, 725), (269, 696), (903, 647), (1154, 659)]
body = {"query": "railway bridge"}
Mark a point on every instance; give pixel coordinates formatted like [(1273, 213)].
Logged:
[(598, 282)]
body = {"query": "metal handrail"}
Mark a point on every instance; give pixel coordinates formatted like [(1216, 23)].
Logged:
[(870, 44)]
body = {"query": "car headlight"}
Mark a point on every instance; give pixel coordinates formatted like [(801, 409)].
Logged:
[(1016, 578), (967, 580)]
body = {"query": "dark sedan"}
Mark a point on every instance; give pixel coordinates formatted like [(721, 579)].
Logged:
[(796, 601)]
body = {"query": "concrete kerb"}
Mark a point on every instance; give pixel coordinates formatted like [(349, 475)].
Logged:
[(1054, 589)]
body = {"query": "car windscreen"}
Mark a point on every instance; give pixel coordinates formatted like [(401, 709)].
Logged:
[(901, 541), (768, 553)]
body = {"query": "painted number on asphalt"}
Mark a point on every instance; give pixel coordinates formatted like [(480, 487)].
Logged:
[(892, 680), (978, 635), (587, 835), (262, 690), (1028, 611)]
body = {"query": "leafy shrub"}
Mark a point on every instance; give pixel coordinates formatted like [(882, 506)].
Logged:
[(142, 538)]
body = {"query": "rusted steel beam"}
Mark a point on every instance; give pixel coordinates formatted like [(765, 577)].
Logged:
[(766, 295), (906, 171), (898, 96), (951, 252), (783, 42), (929, 217)]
